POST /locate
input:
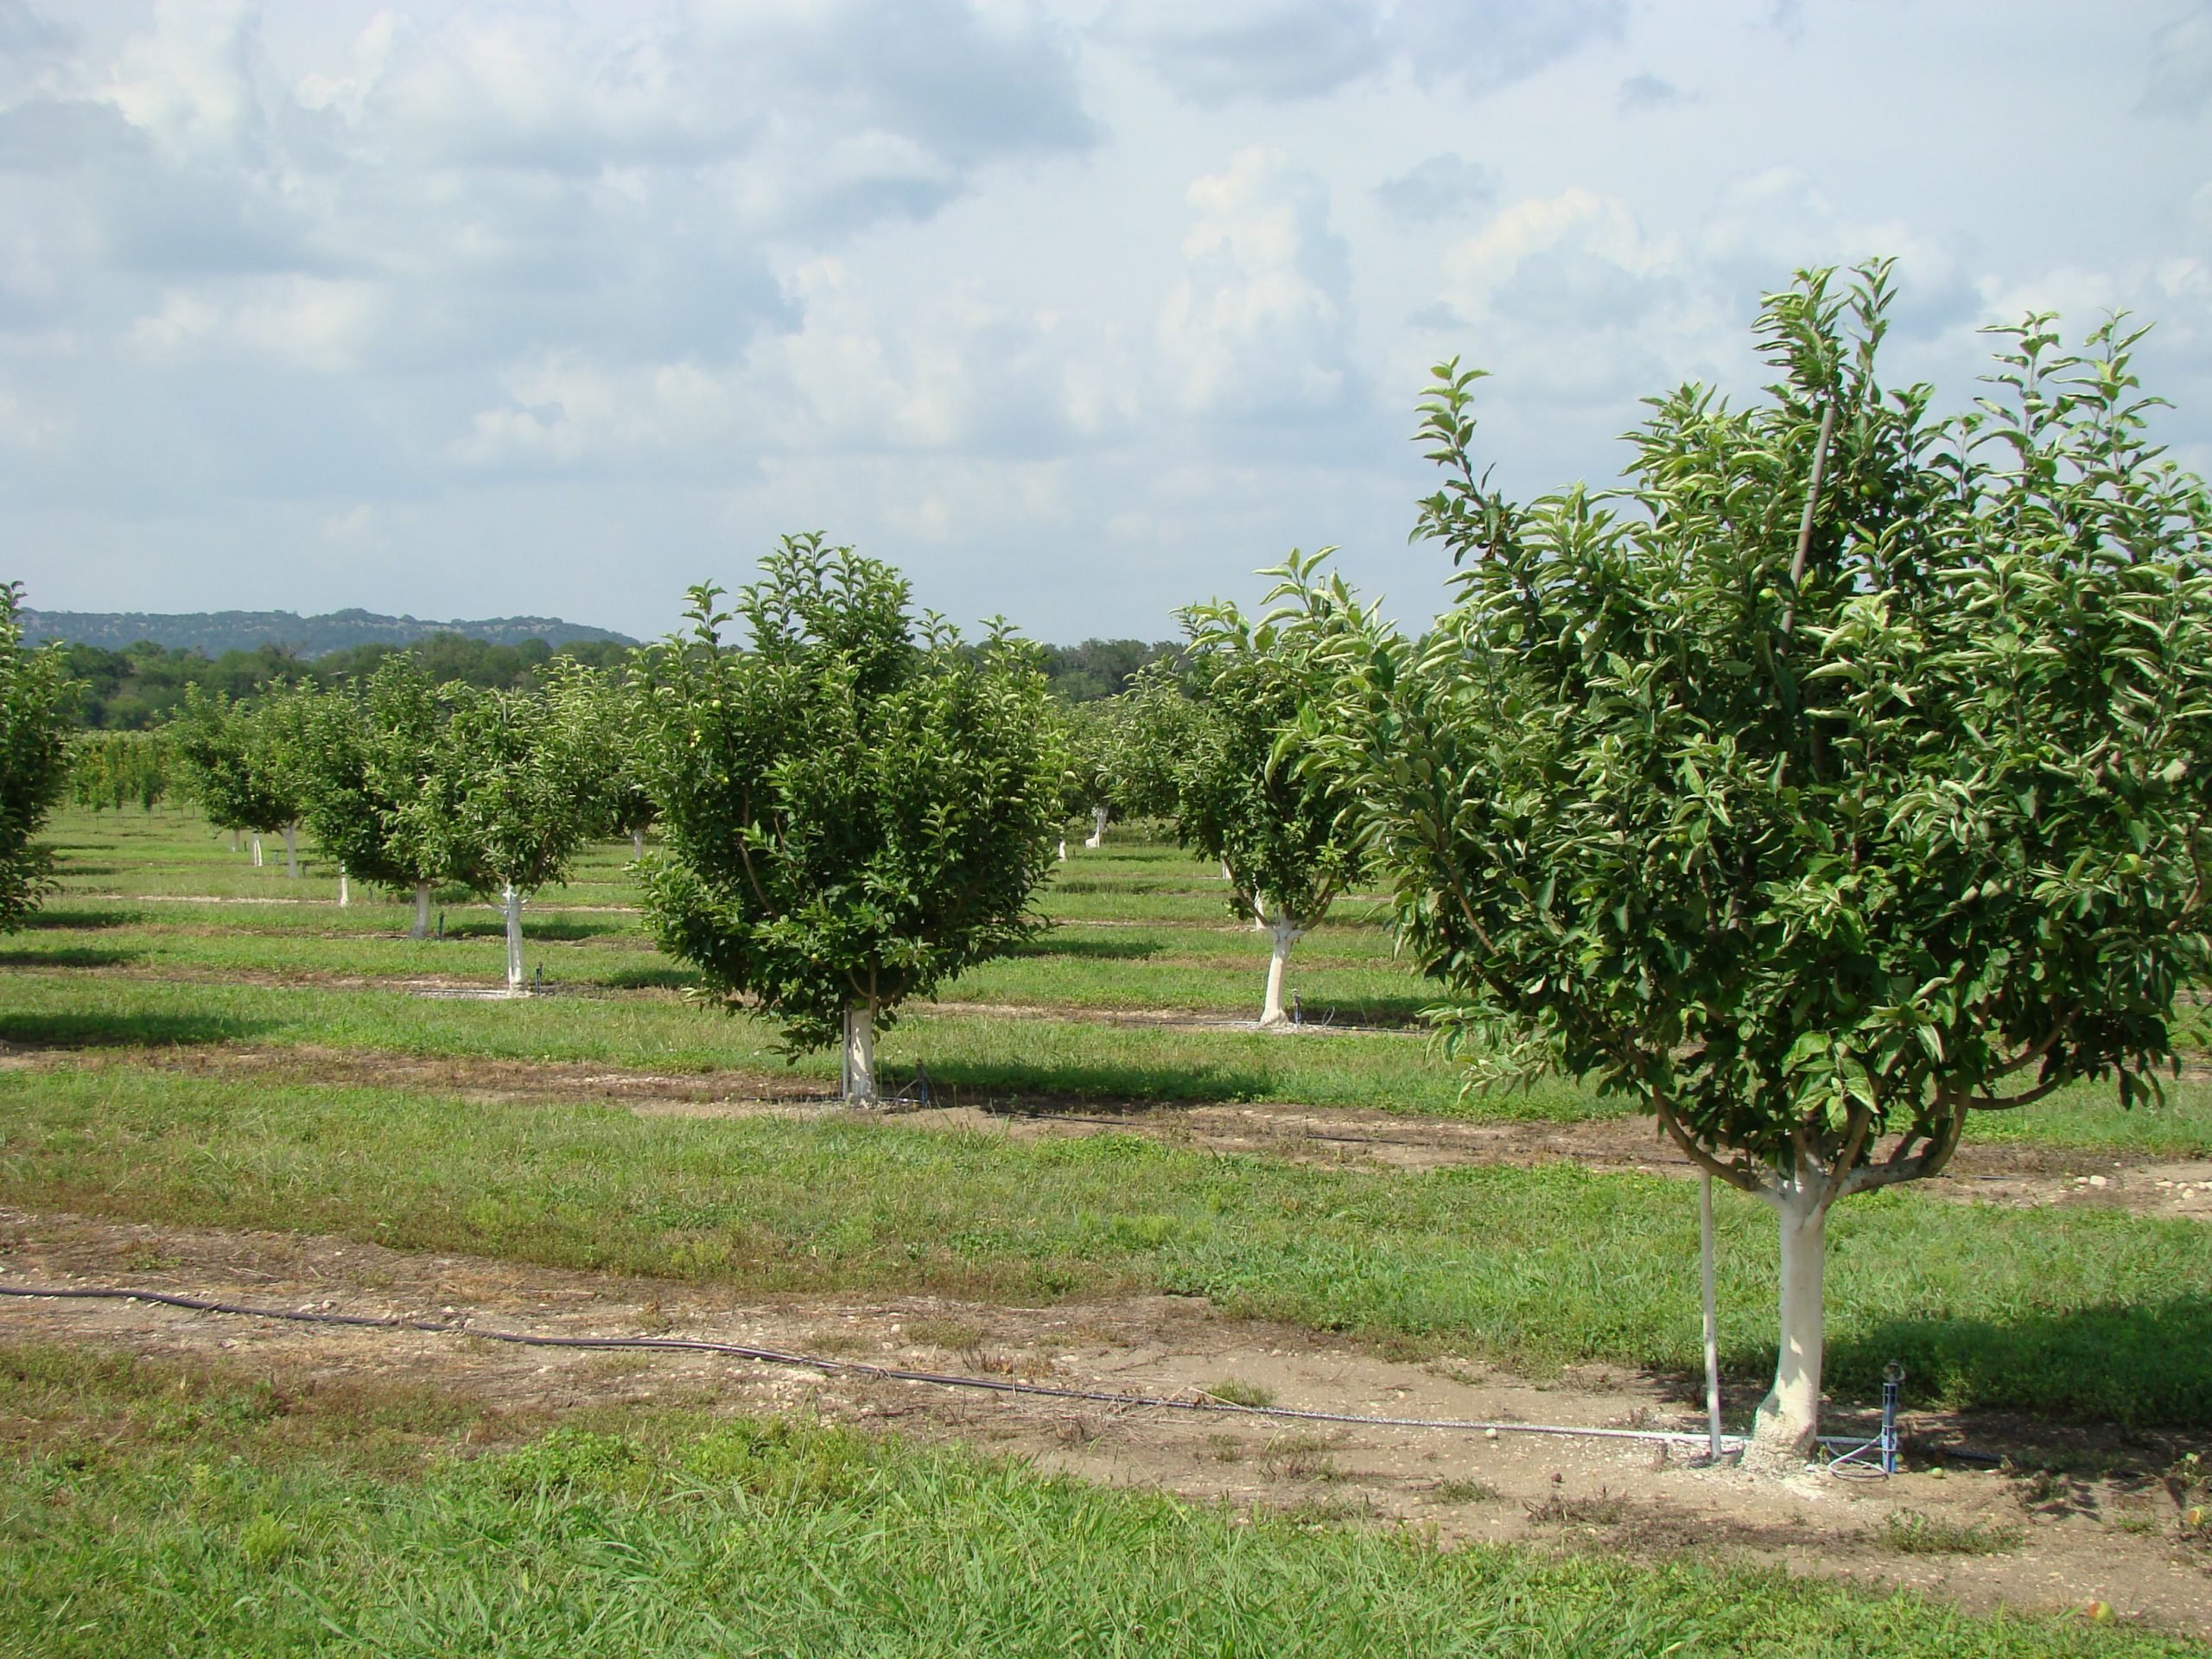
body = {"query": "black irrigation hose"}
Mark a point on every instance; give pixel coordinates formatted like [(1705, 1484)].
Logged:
[(855, 1368)]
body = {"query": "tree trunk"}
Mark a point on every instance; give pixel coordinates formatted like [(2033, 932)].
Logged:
[(292, 851), (345, 892), (421, 929), (1098, 827), (1287, 931), (637, 843), (513, 901), (257, 850), (234, 841), (1787, 1427), (1064, 849), (858, 1077)]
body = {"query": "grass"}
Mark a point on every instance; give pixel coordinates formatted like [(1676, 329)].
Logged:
[(1913, 1532), (259, 1534), (2087, 1312)]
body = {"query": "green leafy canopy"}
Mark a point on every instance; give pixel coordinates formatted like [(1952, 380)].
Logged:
[(37, 711), (1816, 828), (855, 808)]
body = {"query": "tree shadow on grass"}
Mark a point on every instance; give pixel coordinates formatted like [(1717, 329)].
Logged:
[(70, 955), (551, 929), (126, 1030), (649, 976), (1104, 1085), (2138, 1366), (1134, 947), (81, 919)]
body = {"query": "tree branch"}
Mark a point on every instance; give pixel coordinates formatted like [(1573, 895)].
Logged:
[(1740, 1174)]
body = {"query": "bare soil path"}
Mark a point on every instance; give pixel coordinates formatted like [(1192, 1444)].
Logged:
[(2110, 1538)]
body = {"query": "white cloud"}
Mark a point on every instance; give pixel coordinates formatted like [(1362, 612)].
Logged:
[(1260, 326), (1442, 187)]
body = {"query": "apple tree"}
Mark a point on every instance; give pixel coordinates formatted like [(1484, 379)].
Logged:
[(1844, 774), (1287, 834), (508, 799), (857, 805), (38, 706)]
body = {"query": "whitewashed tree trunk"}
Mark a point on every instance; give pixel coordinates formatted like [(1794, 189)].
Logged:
[(1787, 1427), (1098, 827), (234, 839), (1064, 849), (257, 850), (1287, 931), (292, 851), (858, 1074), (421, 929), (1259, 912), (345, 890), (513, 902), (637, 843)]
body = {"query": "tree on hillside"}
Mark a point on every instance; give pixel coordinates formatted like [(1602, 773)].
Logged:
[(37, 709), (507, 801), (857, 807), (1845, 774), (236, 764), (1287, 835), (367, 753)]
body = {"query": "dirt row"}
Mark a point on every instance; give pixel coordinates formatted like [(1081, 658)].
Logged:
[(2061, 1543), (1982, 1171)]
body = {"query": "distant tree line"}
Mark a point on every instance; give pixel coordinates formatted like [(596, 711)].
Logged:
[(143, 686)]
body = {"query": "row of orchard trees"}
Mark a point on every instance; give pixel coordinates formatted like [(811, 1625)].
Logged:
[(1844, 774), (411, 786)]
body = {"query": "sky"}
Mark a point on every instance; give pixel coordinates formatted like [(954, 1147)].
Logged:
[(1077, 313)]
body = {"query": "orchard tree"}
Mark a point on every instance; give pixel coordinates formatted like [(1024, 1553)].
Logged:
[(1088, 739), (236, 764), (508, 799), (365, 754), (38, 706), (607, 714), (1287, 835), (1843, 776), (857, 806)]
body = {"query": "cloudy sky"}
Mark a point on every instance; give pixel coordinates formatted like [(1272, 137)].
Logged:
[(1076, 312)]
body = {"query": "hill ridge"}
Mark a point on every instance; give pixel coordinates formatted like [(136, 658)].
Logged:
[(212, 633)]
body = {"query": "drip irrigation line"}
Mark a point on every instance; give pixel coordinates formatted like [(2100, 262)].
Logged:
[(1206, 1404)]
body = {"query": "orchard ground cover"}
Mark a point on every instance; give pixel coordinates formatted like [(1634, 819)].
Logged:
[(196, 1044)]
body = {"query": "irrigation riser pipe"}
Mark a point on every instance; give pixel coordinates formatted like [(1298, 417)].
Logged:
[(1206, 1404)]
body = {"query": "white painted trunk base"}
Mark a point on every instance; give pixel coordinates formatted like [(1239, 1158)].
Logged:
[(1787, 1428), (292, 851), (234, 841), (1288, 932), (422, 928), (637, 843), (1098, 827), (345, 890), (857, 1075), (1712, 1318), (1064, 849), (257, 850), (512, 900)]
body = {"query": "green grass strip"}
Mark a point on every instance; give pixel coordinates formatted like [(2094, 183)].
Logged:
[(759, 1538), (2089, 1313)]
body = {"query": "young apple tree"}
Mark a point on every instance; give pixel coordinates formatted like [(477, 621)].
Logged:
[(236, 761), (38, 706), (1845, 774), (507, 801), (1287, 834), (364, 756), (856, 807)]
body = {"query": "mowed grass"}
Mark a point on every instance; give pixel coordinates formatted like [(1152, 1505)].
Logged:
[(2081, 1314), (146, 1509)]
